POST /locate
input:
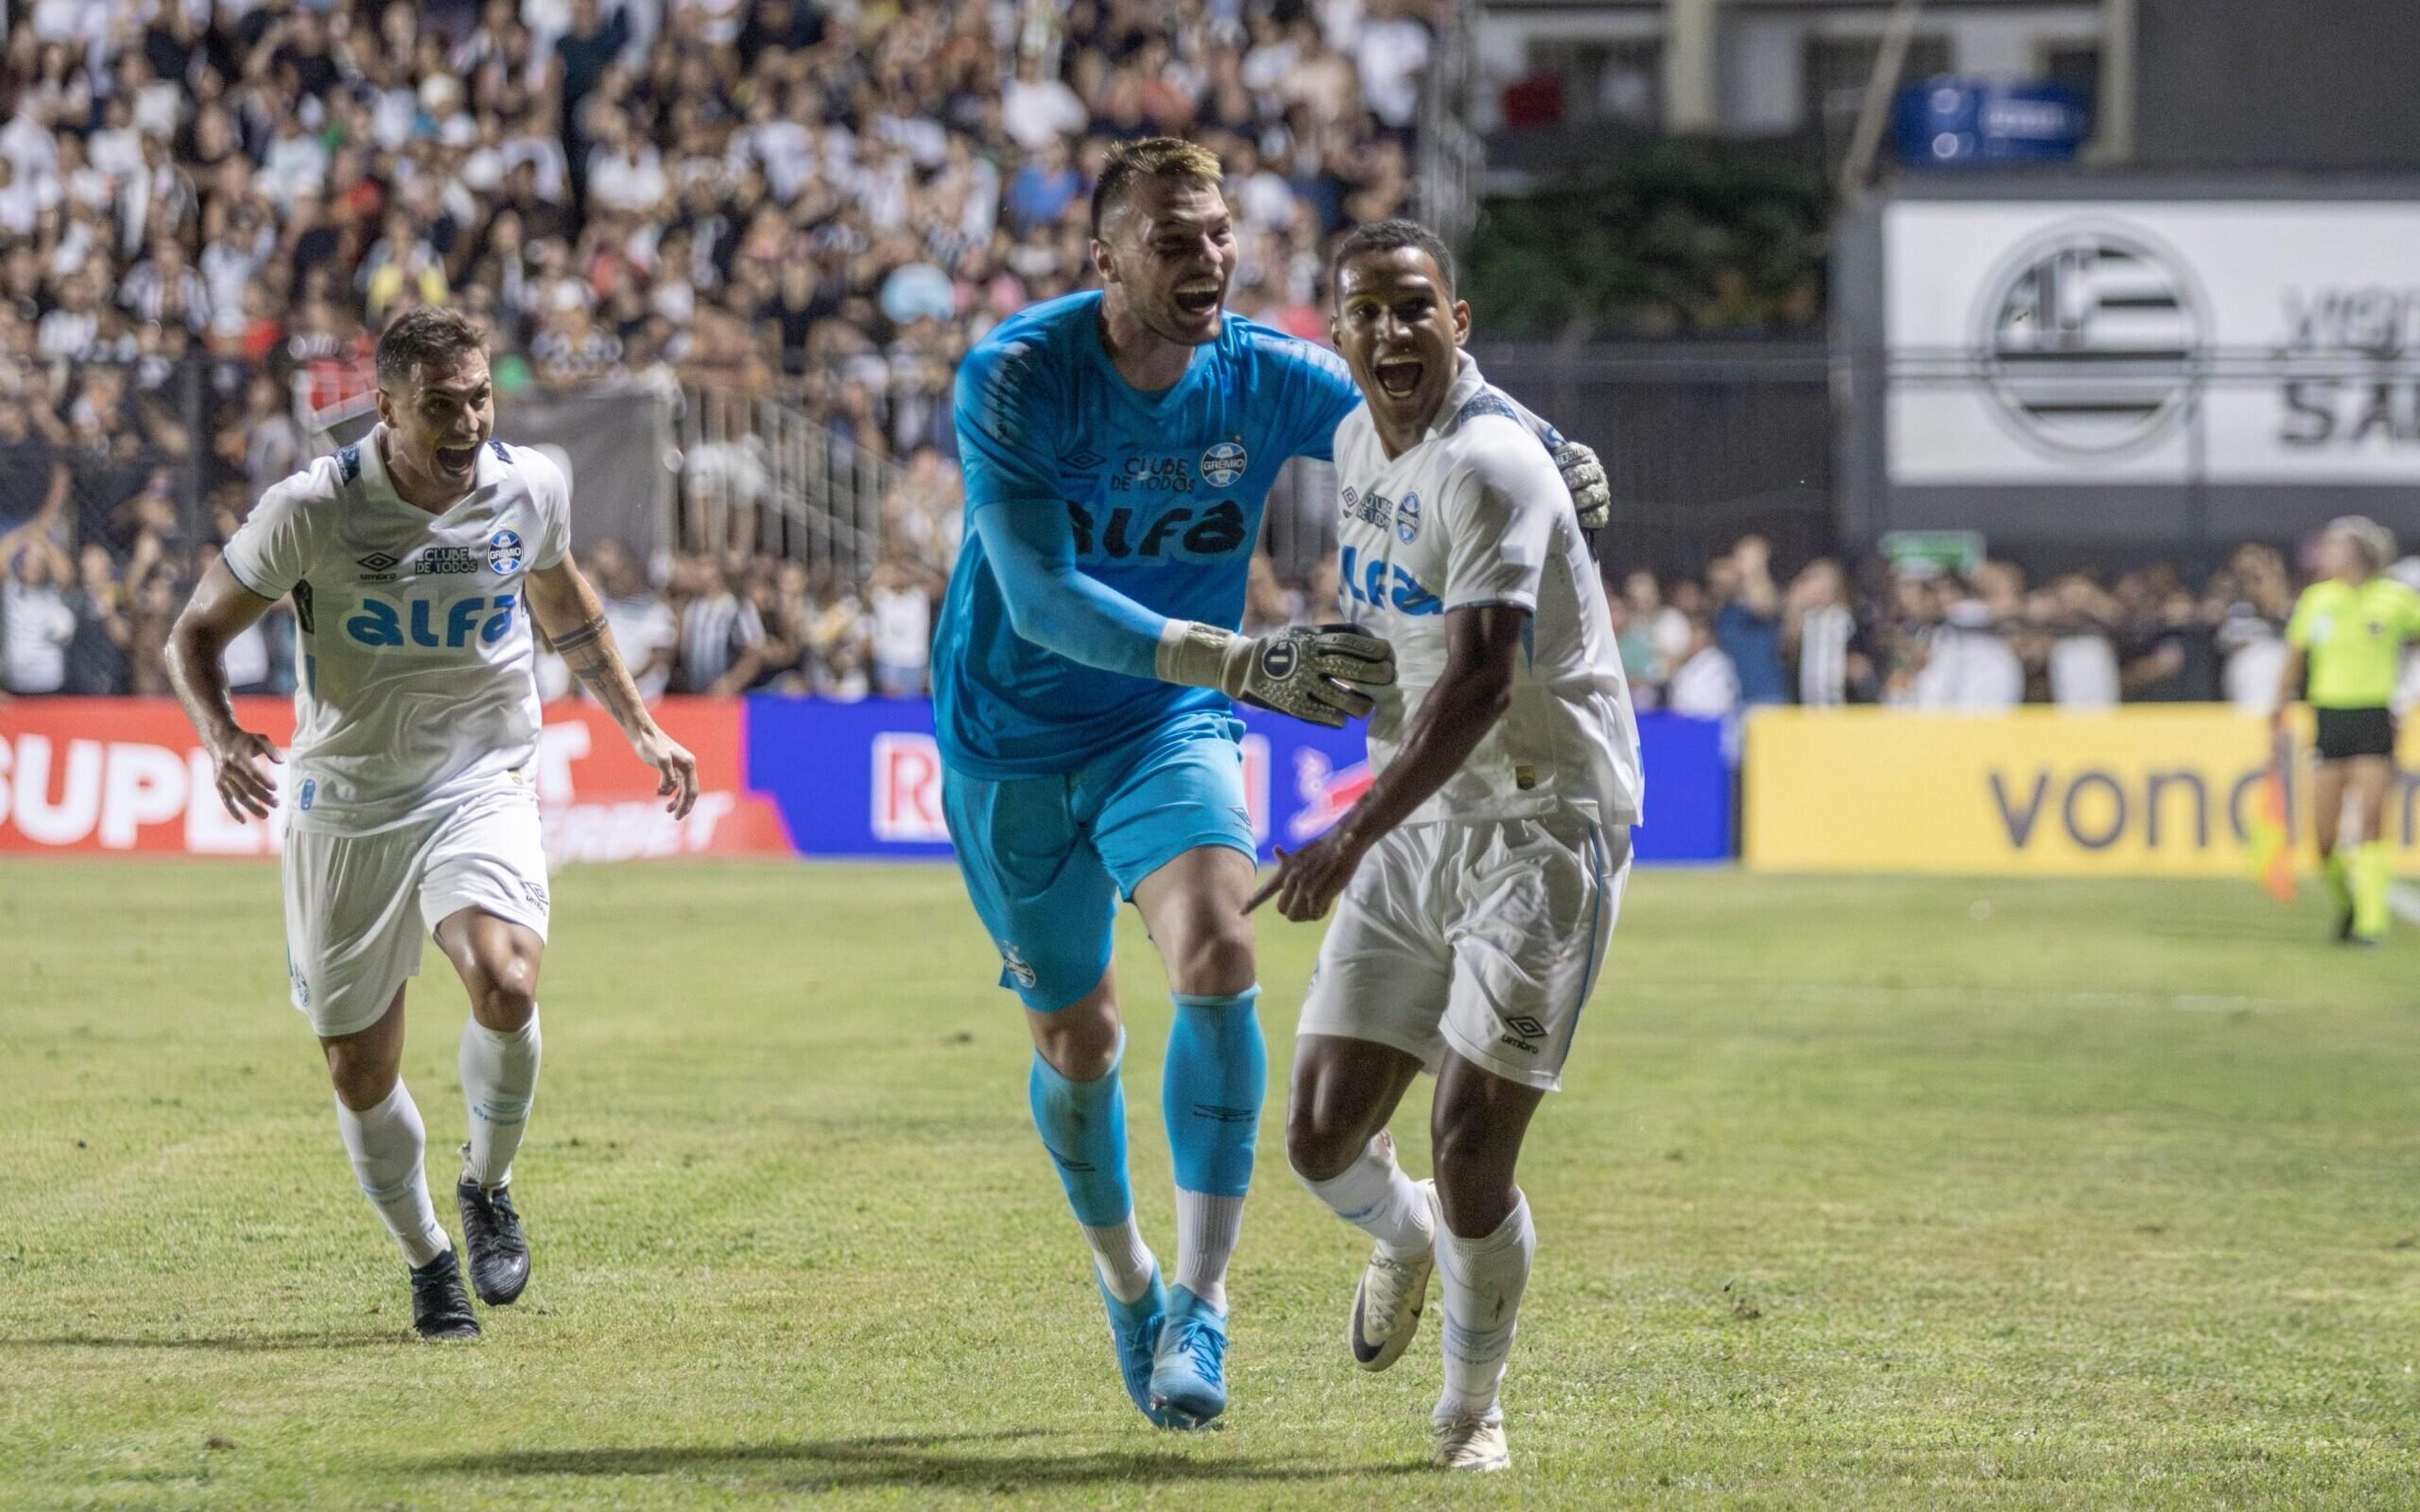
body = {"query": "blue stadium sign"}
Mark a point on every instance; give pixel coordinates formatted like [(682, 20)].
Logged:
[(1949, 121)]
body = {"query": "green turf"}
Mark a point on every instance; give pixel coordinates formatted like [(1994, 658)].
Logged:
[(1862, 1193)]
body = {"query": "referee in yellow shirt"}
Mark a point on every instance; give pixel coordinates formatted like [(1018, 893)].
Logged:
[(2348, 630)]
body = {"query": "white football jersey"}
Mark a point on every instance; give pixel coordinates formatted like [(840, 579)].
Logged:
[(1477, 514), (416, 687)]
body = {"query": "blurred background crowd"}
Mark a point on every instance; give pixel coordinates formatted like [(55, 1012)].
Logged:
[(207, 211), (1924, 634)]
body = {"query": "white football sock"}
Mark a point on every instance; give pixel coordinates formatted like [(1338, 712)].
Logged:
[(1483, 1281), (386, 1143), (1376, 1196), (499, 1080), (1122, 1257), (1206, 1231)]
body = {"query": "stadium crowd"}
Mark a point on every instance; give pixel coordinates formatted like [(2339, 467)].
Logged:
[(829, 201), (824, 199), (1917, 633)]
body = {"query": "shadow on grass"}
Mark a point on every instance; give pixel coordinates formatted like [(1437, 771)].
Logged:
[(927, 1459), (351, 1339)]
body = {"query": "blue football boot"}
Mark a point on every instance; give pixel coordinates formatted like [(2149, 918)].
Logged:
[(1188, 1372), (1134, 1333)]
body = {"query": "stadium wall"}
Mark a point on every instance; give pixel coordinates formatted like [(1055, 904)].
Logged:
[(779, 777)]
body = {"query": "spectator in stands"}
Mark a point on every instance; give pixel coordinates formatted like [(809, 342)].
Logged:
[(899, 603), (2180, 663), (722, 640), (2250, 636), (1632, 638), (1038, 110), (97, 661), (1820, 636), (1747, 618), (1043, 191), (644, 628), (271, 443), (1704, 682), (33, 480), (2080, 664), (36, 623), (572, 348), (925, 512), (836, 630), (1966, 664), (157, 597), (1668, 625)]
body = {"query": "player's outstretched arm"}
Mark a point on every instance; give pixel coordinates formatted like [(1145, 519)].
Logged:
[(1482, 654), (572, 616), (221, 609), (1313, 674)]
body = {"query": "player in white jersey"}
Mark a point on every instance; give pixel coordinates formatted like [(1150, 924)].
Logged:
[(416, 559), (1480, 873)]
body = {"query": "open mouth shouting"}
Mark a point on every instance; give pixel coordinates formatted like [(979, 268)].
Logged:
[(1400, 376), (1196, 302), (458, 462)]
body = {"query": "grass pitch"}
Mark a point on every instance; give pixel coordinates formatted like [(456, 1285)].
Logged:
[(1862, 1194)]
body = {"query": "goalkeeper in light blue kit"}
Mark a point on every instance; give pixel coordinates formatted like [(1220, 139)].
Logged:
[(1117, 448)]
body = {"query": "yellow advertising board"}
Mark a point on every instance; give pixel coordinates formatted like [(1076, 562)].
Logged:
[(2165, 790)]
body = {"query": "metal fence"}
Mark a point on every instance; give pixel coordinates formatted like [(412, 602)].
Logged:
[(1702, 443), (761, 473), (1451, 157), (143, 450)]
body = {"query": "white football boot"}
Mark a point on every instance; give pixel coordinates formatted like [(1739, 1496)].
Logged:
[(1386, 1304), (1472, 1443)]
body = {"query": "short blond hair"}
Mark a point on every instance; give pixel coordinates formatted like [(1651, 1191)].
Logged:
[(1169, 159), (2375, 541)]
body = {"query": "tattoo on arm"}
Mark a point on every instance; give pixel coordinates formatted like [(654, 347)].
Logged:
[(571, 640), (588, 652)]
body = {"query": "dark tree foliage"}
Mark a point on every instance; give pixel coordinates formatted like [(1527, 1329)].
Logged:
[(1657, 239)]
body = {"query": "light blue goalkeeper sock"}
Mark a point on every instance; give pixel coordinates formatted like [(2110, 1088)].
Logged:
[(1210, 1091), (1083, 1126)]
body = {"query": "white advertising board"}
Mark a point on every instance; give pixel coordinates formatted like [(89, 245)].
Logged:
[(2148, 342)]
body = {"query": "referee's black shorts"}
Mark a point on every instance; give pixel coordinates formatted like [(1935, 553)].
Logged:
[(2345, 733)]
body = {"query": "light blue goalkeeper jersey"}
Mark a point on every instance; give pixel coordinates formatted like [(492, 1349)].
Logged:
[(1164, 495)]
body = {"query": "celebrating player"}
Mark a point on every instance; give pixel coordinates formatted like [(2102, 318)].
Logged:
[(1118, 449), (1482, 871), (2350, 629), (416, 559)]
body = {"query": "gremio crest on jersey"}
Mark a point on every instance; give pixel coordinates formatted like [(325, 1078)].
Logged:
[(1407, 518), (1224, 463), (504, 553)]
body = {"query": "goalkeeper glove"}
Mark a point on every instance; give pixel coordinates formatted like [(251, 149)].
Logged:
[(1584, 475), (1315, 673)]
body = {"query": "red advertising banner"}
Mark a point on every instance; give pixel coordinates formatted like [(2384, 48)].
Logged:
[(129, 774)]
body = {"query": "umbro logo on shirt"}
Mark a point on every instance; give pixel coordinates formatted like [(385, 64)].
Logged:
[(378, 567)]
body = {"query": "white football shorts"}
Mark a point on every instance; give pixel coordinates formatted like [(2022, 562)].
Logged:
[(1485, 936), (358, 907)]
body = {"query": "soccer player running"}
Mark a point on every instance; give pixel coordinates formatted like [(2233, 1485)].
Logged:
[(1118, 449), (416, 559), (1480, 873), (2348, 630)]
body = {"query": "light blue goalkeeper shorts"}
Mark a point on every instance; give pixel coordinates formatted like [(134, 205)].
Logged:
[(1047, 858)]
